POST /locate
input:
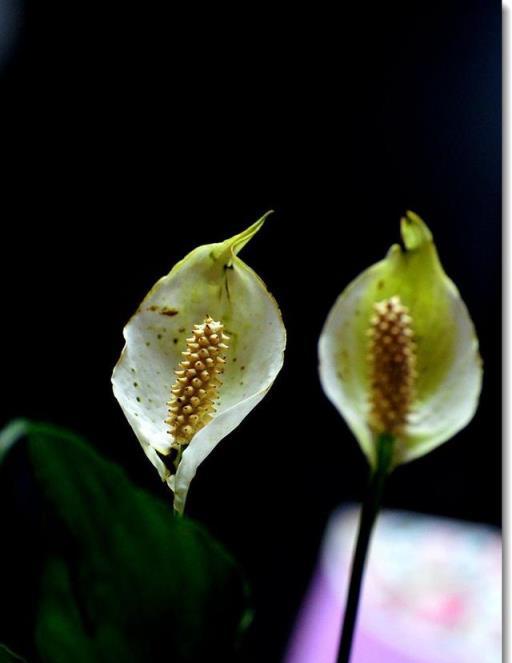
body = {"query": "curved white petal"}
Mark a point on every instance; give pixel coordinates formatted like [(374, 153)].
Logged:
[(213, 281), (343, 376), (450, 407), (205, 441)]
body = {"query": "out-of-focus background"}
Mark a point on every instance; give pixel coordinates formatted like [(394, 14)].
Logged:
[(132, 133)]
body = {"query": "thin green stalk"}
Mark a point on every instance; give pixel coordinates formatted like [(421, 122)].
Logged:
[(367, 520)]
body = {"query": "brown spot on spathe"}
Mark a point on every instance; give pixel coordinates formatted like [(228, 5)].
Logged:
[(163, 310)]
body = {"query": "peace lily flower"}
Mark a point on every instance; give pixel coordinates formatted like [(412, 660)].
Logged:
[(398, 352), (202, 350)]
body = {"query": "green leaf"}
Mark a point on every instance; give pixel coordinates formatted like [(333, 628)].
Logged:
[(7, 656), (117, 577)]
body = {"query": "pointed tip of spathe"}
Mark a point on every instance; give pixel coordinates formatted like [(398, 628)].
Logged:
[(253, 229), (264, 216), (239, 241), (414, 231)]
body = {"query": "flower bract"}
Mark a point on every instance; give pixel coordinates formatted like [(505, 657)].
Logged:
[(398, 352), (201, 351)]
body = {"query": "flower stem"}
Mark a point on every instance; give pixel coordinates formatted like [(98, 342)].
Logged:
[(367, 520)]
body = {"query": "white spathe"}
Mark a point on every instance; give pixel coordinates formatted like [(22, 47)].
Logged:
[(213, 281), (449, 377)]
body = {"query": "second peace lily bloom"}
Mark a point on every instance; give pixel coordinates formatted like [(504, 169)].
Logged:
[(398, 352), (202, 350)]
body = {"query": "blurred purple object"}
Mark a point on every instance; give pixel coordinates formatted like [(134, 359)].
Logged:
[(432, 593)]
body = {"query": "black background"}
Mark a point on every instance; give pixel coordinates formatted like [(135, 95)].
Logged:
[(132, 134)]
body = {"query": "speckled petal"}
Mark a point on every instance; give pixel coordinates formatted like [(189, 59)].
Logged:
[(213, 281)]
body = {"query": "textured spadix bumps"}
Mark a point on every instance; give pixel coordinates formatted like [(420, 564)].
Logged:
[(197, 385), (398, 352), (391, 363), (208, 296)]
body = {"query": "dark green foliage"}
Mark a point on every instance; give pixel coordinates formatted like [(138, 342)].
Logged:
[(7, 656), (94, 569)]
